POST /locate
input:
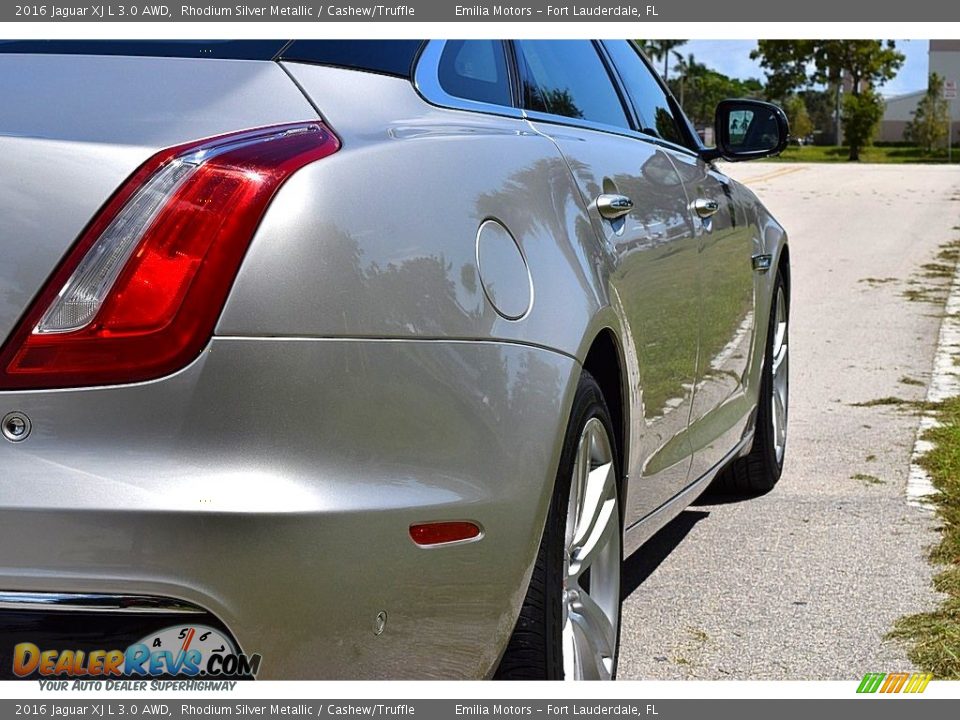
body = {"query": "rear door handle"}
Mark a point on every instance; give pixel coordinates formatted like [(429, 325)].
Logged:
[(613, 206), (705, 207)]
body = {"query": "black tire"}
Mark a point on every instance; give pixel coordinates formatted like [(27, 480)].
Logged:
[(758, 472), (535, 650)]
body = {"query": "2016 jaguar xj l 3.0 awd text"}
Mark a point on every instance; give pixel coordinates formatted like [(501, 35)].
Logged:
[(373, 359)]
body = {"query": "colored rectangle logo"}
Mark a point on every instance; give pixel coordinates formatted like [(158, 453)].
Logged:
[(890, 683)]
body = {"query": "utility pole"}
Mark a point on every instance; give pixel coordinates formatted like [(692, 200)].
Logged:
[(949, 94), (836, 111)]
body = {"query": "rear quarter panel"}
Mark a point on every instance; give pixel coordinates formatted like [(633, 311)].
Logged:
[(379, 240)]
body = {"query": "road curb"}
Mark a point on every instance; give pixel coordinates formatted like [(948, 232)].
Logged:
[(944, 383)]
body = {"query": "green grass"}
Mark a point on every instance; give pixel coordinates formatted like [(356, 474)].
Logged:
[(867, 479), (889, 400), (932, 295), (932, 284), (950, 251), (872, 154), (938, 270), (934, 636)]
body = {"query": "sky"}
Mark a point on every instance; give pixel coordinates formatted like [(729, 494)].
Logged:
[(732, 57)]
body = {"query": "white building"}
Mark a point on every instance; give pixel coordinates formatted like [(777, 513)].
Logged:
[(944, 60)]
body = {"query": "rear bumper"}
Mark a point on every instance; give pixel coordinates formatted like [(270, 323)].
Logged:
[(272, 484)]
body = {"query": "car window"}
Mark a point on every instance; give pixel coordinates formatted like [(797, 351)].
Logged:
[(475, 70), (567, 77), (389, 57), (647, 95)]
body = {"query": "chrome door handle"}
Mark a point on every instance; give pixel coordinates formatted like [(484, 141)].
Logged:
[(705, 208), (613, 206)]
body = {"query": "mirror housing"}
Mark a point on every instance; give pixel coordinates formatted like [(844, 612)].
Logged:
[(747, 130)]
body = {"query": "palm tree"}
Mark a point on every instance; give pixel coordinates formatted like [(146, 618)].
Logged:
[(688, 70), (661, 50)]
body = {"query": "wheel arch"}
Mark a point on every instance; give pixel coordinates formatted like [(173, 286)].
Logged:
[(604, 361), (783, 266)]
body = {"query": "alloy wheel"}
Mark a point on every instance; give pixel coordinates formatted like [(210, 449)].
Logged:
[(592, 556), (779, 367)]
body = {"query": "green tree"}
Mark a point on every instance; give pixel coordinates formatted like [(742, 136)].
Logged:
[(861, 113), (859, 65), (687, 73), (820, 108), (699, 88), (786, 63), (662, 50), (928, 129), (798, 117)]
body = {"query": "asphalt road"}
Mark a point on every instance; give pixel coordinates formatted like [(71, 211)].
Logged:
[(804, 582)]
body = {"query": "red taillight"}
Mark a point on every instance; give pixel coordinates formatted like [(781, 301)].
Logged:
[(441, 533), (139, 295)]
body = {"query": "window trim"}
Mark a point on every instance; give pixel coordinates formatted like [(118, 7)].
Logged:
[(625, 105), (695, 146), (426, 81), (633, 116)]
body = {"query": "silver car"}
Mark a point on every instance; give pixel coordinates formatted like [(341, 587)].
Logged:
[(365, 359)]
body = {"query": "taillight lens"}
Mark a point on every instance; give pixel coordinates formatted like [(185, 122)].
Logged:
[(140, 293)]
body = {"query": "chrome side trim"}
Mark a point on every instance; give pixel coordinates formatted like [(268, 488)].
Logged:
[(96, 603), (426, 79), (762, 263), (642, 530)]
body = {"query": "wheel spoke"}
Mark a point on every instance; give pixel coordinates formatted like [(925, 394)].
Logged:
[(597, 633), (581, 469), (780, 393), (596, 542), (599, 488), (778, 360), (571, 661), (780, 416), (775, 419)]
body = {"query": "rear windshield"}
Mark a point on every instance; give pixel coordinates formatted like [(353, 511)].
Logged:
[(390, 57), (224, 49)]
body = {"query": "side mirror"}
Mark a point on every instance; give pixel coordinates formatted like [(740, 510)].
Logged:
[(749, 129)]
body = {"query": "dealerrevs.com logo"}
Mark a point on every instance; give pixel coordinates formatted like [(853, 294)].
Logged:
[(180, 651)]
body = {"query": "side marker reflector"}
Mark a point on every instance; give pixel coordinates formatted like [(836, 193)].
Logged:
[(442, 533)]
